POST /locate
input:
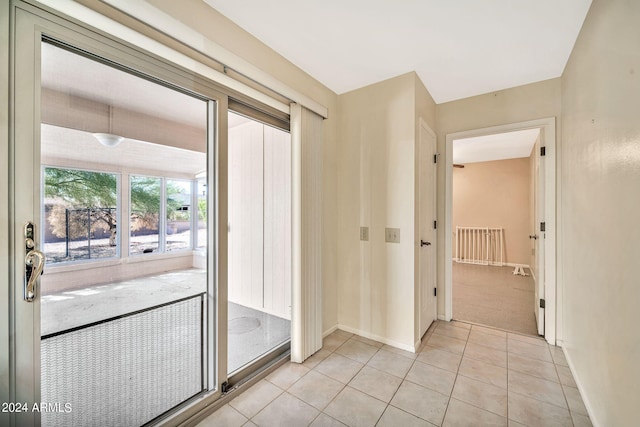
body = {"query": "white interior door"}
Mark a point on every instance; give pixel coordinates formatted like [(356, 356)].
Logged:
[(427, 235), (539, 258)]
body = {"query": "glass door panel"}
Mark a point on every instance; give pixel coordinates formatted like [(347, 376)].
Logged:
[(259, 268), (123, 303)]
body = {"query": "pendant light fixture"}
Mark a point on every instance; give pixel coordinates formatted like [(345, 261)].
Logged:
[(109, 139)]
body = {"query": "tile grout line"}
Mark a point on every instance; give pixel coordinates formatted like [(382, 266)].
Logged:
[(458, 374), (498, 366), (564, 394), (404, 379), (427, 335), (455, 381), (411, 366), (343, 385)]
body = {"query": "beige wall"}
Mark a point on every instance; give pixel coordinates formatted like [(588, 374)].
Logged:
[(376, 155), (519, 104), (600, 211), (496, 194)]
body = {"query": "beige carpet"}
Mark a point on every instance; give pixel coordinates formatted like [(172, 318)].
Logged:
[(494, 296)]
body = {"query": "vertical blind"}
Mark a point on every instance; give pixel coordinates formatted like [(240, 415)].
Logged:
[(306, 136)]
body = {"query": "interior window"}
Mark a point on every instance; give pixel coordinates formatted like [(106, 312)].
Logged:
[(80, 214), (178, 207), (145, 215)]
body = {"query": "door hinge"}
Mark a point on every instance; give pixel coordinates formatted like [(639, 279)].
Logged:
[(225, 387), (543, 151), (435, 292), (542, 303), (543, 226), (435, 225)]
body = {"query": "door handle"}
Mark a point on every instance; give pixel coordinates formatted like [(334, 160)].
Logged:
[(423, 243), (533, 236), (33, 263)]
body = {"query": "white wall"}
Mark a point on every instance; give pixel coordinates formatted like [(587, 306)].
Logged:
[(246, 219), (277, 222), (260, 218), (600, 211)]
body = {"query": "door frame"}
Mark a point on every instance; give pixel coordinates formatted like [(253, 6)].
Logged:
[(22, 357), (547, 128), (423, 126), (7, 324)]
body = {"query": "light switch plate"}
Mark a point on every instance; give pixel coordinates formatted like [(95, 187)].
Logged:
[(392, 235), (364, 234)]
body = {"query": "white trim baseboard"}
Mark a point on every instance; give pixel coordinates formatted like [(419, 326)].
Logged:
[(585, 398), (515, 264), (378, 338), (330, 331)]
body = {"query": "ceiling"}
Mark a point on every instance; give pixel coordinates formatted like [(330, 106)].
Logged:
[(76, 147), (502, 146), (74, 74), (458, 48)]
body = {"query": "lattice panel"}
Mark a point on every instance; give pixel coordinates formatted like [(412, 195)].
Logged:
[(127, 371)]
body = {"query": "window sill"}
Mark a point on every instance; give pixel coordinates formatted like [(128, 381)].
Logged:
[(141, 258)]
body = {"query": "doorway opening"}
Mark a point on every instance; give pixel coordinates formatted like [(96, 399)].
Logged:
[(493, 215), (500, 234)]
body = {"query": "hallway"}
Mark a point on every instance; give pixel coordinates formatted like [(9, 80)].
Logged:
[(463, 375), (495, 297)]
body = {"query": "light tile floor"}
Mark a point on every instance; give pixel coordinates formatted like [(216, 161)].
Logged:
[(463, 375)]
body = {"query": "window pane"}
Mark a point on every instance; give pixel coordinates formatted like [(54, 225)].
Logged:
[(201, 235), (80, 215), (178, 215), (259, 241), (145, 215)]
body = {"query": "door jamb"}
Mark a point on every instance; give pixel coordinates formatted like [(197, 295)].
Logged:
[(547, 128)]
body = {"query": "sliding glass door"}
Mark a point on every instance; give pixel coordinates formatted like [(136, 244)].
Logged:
[(115, 287), (122, 303), (122, 216)]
